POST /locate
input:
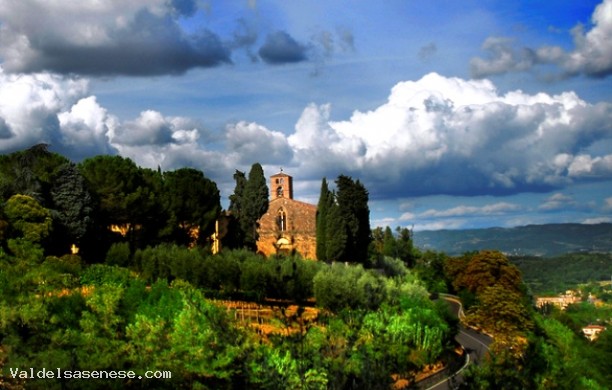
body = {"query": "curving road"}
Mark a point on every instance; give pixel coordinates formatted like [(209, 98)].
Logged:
[(475, 344)]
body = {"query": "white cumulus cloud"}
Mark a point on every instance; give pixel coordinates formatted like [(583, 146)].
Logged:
[(29, 105), (435, 135), (455, 136), (591, 55)]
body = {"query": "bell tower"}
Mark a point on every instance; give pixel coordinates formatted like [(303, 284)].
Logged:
[(281, 186)]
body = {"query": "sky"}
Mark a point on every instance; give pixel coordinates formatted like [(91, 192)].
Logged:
[(453, 114)]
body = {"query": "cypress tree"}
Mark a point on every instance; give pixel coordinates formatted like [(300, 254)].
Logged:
[(352, 199), (255, 203), (236, 198), (336, 239), (322, 215), (390, 247), (248, 203), (235, 236)]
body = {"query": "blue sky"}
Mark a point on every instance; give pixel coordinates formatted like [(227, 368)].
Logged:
[(453, 114)]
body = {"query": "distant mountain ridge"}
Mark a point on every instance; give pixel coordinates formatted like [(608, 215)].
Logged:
[(536, 240)]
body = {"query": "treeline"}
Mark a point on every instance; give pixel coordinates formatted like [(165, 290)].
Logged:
[(69, 203), (555, 275), (108, 199)]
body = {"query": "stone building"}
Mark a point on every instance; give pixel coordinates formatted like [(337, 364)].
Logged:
[(289, 226), (561, 301)]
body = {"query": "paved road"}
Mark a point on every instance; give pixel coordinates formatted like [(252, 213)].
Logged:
[(476, 344)]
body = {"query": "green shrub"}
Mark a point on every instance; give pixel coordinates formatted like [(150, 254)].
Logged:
[(100, 274), (118, 254)]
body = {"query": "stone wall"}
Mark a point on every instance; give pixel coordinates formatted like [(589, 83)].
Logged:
[(299, 233)]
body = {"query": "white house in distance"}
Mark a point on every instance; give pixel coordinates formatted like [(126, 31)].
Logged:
[(591, 332)]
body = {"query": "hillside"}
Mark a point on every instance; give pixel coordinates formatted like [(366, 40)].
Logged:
[(535, 240), (554, 275)]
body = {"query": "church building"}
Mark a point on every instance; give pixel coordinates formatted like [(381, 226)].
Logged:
[(289, 226)]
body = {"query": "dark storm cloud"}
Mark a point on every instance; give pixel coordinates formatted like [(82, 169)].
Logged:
[(141, 38), (150, 45), (281, 48)]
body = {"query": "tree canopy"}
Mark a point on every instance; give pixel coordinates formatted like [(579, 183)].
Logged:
[(249, 203), (192, 202), (343, 222)]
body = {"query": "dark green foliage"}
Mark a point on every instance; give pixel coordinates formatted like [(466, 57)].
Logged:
[(117, 182), (404, 246), (352, 198), (236, 198), (222, 272), (325, 198), (66, 265), (430, 267), (178, 206), (389, 244), (235, 235), (30, 172), (336, 240), (397, 245), (73, 207), (248, 204), (343, 222), (599, 356), (119, 254), (255, 277), (255, 203), (192, 201), (161, 262), (555, 275)]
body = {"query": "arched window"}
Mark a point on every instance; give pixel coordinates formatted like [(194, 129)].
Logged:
[(281, 220), (279, 192)]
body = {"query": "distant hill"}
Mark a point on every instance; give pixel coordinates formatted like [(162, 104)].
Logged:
[(535, 240)]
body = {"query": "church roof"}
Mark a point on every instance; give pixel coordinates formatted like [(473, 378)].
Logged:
[(290, 200), (281, 173)]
